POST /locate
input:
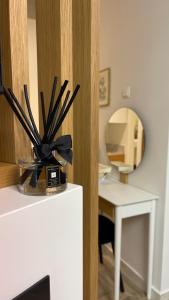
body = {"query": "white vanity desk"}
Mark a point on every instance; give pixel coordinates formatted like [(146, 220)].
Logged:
[(129, 201)]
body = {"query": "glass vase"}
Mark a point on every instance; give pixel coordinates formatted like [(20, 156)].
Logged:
[(36, 178)]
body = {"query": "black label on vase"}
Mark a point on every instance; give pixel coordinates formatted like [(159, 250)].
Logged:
[(52, 176)]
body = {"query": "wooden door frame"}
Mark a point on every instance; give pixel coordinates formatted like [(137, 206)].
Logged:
[(74, 38), (85, 71), (54, 49), (14, 143)]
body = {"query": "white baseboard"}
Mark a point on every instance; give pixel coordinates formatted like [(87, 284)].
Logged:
[(157, 295), (139, 282)]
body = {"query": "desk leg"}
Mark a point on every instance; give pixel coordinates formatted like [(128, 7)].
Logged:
[(151, 249), (118, 227)]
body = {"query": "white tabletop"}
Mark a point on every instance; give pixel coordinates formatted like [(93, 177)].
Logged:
[(11, 200), (120, 194)]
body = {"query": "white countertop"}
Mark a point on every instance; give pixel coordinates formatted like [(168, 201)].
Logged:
[(120, 194), (11, 200)]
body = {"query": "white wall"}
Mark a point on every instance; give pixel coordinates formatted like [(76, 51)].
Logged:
[(39, 237), (135, 44)]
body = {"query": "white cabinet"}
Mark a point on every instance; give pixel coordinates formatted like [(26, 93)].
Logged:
[(41, 236)]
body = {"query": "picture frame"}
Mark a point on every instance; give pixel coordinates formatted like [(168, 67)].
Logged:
[(104, 87)]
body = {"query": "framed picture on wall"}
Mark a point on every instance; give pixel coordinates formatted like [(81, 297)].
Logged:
[(104, 87)]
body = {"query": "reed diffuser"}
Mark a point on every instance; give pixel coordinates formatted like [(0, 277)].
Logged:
[(46, 173)]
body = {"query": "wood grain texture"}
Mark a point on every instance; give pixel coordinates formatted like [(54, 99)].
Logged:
[(106, 207), (116, 157), (14, 144), (67, 64), (8, 174), (54, 48), (85, 72), (123, 178)]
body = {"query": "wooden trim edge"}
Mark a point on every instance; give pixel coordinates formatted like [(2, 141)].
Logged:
[(8, 174)]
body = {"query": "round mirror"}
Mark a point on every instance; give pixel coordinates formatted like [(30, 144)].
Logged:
[(125, 140)]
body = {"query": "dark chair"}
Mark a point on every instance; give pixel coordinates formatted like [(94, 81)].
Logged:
[(106, 235)]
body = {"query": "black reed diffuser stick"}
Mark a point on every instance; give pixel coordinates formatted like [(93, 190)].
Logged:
[(30, 112), (24, 116), (19, 117), (52, 97), (54, 113), (63, 116), (44, 146), (43, 110), (56, 118)]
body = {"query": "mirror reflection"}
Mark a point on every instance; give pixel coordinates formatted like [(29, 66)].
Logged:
[(125, 140)]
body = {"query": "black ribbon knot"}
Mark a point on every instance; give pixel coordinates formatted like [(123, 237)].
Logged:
[(62, 145)]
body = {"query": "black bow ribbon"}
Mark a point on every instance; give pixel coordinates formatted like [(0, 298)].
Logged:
[(45, 156), (62, 145)]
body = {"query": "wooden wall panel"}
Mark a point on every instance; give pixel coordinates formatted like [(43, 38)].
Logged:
[(85, 72), (54, 48), (13, 36)]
